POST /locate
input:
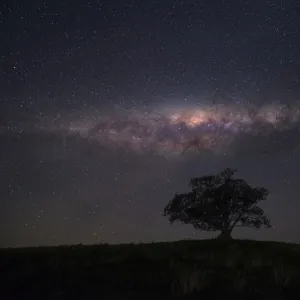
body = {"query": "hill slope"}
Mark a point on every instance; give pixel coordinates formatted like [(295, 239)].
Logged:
[(183, 269)]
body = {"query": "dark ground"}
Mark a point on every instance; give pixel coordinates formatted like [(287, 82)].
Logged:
[(208, 269)]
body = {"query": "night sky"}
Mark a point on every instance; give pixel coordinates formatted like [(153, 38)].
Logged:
[(108, 108)]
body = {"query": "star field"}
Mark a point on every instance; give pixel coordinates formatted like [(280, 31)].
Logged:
[(107, 109)]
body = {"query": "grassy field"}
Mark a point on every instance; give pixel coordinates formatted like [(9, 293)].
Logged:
[(208, 269)]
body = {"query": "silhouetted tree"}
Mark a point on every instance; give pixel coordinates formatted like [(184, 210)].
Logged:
[(219, 203)]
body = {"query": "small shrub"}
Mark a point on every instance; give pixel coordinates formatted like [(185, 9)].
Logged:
[(192, 281), (230, 263), (281, 276), (240, 282)]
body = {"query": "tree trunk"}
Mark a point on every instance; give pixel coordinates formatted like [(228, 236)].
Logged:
[(225, 235)]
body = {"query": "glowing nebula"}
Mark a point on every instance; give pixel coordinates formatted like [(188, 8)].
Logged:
[(176, 130), (172, 130)]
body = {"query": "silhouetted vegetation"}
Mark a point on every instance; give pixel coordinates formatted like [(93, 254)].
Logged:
[(219, 203), (209, 269)]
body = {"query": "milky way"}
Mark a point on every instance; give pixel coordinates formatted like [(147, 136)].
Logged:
[(168, 130)]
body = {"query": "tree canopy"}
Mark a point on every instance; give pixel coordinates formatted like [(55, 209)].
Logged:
[(219, 202)]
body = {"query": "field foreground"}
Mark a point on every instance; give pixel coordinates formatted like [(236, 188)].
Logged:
[(207, 269)]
